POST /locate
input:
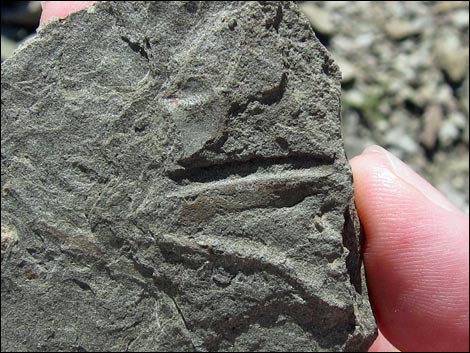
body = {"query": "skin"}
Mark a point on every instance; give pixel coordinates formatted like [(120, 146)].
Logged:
[(61, 9), (416, 256), (416, 251)]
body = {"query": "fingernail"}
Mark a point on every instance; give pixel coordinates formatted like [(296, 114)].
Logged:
[(405, 173), (373, 149), (390, 157)]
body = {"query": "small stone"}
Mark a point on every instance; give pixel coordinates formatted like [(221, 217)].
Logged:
[(459, 119), (461, 18), (364, 40), (451, 57), (397, 138), (354, 99), (425, 94), (320, 19), (432, 122), (8, 47), (348, 71), (448, 133), (454, 64), (399, 30), (446, 6)]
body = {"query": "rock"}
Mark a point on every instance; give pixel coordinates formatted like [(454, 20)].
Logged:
[(173, 179), (432, 123), (458, 119), (397, 138), (364, 40), (448, 134), (355, 98), (320, 19), (399, 30), (446, 6), (8, 47), (461, 18), (348, 71), (451, 57), (454, 64)]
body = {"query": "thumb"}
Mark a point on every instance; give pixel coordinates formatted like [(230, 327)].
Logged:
[(61, 9), (416, 255)]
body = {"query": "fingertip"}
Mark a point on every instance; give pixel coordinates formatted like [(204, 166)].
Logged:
[(416, 255), (61, 9)]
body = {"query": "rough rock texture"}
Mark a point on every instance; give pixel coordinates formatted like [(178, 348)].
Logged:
[(173, 178)]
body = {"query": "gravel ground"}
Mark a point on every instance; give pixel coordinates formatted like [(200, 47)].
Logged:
[(405, 78)]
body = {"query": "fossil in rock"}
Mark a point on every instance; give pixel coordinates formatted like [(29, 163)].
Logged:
[(173, 178)]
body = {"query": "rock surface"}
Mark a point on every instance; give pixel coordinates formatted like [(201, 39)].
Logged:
[(173, 178)]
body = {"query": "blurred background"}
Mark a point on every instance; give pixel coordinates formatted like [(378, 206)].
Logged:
[(405, 68)]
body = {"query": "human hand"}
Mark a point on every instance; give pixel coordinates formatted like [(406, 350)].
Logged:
[(416, 256), (60, 9)]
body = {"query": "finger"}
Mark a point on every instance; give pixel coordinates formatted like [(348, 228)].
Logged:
[(416, 255), (61, 9), (382, 345)]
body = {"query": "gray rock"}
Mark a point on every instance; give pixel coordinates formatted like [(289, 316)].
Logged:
[(173, 178)]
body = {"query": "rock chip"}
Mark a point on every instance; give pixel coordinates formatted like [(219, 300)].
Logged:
[(8, 47), (399, 30), (446, 6), (348, 71), (174, 179), (432, 124), (320, 19), (452, 57)]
